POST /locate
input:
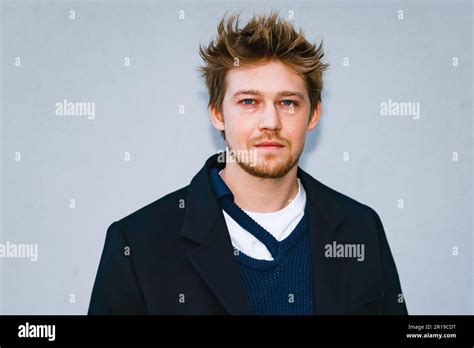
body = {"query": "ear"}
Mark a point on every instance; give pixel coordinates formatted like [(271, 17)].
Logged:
[(313, 121), (217, 118)]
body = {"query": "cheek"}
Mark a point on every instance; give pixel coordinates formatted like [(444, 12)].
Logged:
[(240, 135), (238, 127), (296, 134)]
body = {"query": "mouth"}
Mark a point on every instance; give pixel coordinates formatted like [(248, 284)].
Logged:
[(269, 145)]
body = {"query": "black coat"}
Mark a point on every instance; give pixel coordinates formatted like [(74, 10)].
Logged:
[(175, 256)]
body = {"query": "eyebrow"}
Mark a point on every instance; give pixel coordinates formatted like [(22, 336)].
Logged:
[(259, 93)]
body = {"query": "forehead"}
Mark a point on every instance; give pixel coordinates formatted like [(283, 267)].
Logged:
[(270, 78)]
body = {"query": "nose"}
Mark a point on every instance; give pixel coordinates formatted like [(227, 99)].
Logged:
[(269, 118)]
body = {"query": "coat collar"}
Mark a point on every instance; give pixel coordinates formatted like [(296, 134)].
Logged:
[(213, 257)]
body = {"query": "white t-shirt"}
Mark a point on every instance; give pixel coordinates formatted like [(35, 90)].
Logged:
[(280, 224)]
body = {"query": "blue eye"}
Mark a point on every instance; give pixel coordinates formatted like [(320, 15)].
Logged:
[(287, 100), (247, 100)]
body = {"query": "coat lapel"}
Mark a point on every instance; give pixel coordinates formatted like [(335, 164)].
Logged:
[(213, 257), (330, 277), (216, 264)]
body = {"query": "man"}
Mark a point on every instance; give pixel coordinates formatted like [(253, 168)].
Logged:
[(252, 233)]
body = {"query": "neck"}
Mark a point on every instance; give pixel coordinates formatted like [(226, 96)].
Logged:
[(260, 195)]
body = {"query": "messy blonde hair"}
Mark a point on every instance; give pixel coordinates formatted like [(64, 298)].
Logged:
[(262, 39)]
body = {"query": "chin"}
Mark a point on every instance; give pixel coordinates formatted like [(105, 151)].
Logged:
[(269, 169)]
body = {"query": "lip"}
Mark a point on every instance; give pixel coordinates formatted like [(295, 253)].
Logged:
[(269, 144)]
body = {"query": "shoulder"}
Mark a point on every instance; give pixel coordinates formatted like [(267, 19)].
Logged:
[(165, 204), (354, 220), (351, 205), (162, 217), (353, 209)]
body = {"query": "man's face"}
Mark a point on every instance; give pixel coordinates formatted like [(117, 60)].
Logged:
[(266, 109)]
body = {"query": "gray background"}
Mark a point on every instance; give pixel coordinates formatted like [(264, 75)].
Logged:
[(137, 111)]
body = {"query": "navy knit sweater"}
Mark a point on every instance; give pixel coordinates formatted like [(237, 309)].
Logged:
[(282, 286)]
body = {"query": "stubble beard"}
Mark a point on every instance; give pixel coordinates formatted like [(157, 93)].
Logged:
[(270, 165)]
